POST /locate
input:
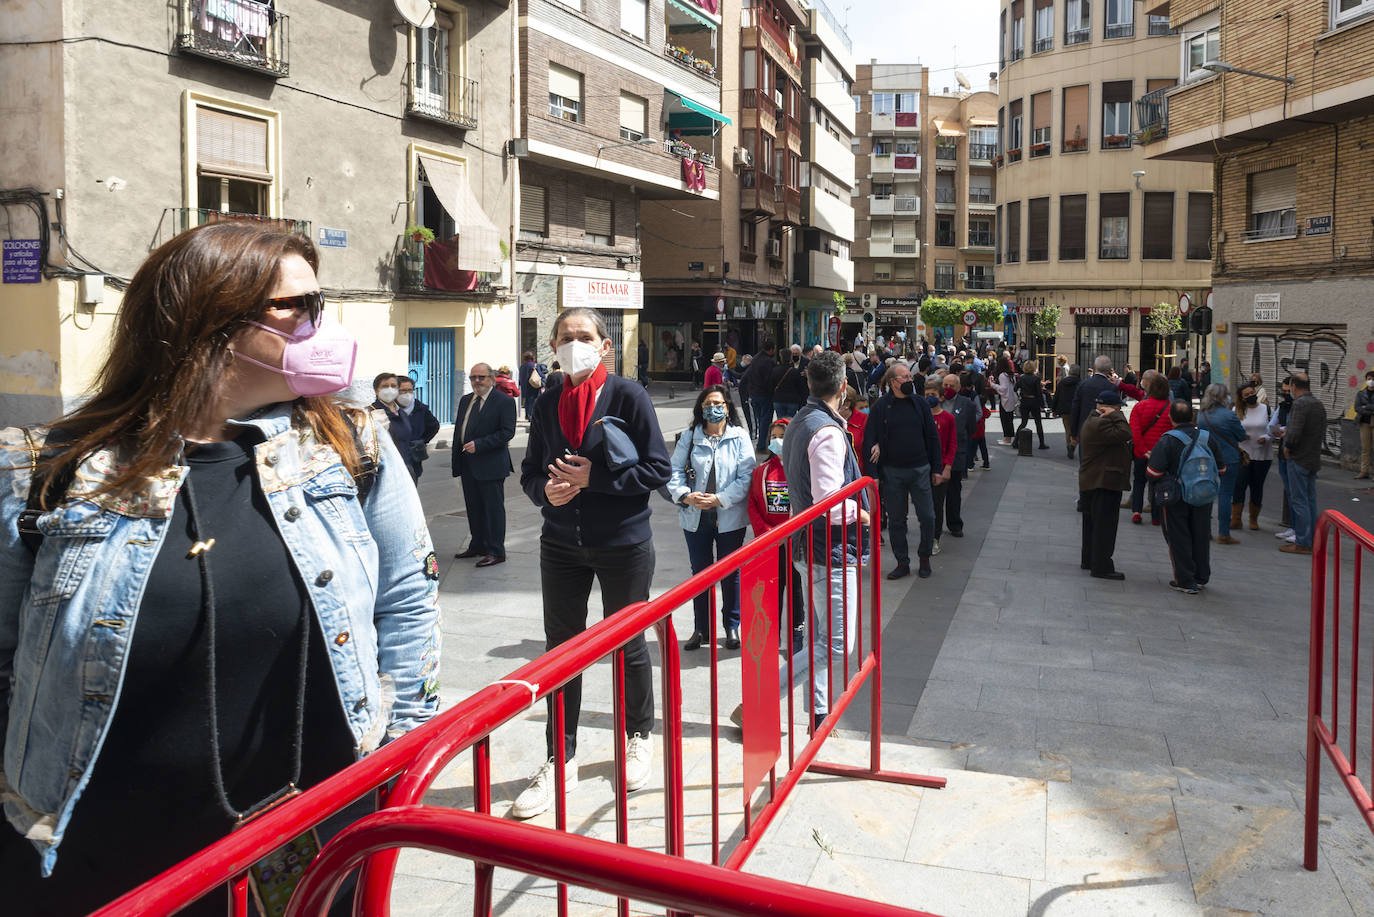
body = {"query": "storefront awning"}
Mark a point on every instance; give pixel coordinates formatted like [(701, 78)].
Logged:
[(479, 245)]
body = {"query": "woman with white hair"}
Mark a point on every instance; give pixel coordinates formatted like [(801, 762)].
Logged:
[(1224, 427)]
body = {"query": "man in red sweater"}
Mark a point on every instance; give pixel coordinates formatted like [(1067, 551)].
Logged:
[(769, 507)]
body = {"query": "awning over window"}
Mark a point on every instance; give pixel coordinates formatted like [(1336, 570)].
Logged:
[(479, 241), (982, 122), (944, 129), (693, 11), (683, 113)]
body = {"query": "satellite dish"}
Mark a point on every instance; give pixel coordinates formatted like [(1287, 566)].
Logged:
[(419, 13), (962, 80)]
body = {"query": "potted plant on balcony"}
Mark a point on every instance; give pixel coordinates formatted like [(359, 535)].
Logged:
[(1114, 140), (1040, 149), (1014, 154), (421, 234), (1074, 144)]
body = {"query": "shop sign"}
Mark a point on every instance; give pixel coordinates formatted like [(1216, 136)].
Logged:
[(739, 312), (602, 294), (1100, 310), (899, 302), (889, 316), (1266, 307), (21, 260)]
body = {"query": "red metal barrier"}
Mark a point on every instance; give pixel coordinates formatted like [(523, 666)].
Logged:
[(415, 760), (1326, 553)]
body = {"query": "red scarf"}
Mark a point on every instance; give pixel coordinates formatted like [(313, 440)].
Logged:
[(576, 404)]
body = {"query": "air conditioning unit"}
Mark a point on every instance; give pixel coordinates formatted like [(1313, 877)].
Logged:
[(963, 275), (775, 248), (744, 158)]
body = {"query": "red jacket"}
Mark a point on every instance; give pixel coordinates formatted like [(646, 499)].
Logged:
[(713, 376), (769, 506), (1149, 421), (856, 424), (982, 431), (949, 438)]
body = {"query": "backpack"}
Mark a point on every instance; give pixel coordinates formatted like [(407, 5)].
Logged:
[(1197, 469)]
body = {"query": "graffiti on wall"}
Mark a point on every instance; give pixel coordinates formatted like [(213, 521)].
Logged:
[(1317, 350)]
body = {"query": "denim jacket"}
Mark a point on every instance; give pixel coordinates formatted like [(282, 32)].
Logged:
[(68, 614), (734, 459)]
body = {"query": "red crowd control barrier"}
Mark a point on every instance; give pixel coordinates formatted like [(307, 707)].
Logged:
[(1333, 529), (843, 604)]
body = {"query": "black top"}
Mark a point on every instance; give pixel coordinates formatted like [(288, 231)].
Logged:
[(905, 431), (757, 379), (789, 383), (1028, 387), (150, 801)]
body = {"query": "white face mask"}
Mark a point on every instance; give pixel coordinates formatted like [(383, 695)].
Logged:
[(1369, 383), (405, 399), (387, 394), (578, 356)]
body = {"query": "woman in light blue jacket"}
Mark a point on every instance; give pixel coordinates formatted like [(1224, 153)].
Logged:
[(712, 467), (1225, 428)]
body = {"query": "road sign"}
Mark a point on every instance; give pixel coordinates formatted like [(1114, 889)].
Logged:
[(970, 317), (835, 334), (1185, 303), (720, 305)]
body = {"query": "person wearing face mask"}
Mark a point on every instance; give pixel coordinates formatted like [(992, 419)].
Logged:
[(1254, 417), (712, 465), (482, 430), (769, 507), (855, 422), (424, 426), (1032, 396), (1221, 423), (948, 431), (966, 418), (1278, 425), (1103, 476), (1364, 414), (902, 444), (210, 528), (386, 388), (789, 385), (979, 443), (594, 499)]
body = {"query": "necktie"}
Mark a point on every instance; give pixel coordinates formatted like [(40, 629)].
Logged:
[(473, 409)]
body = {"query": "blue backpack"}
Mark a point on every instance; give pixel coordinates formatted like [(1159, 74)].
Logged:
[(1197, 469)]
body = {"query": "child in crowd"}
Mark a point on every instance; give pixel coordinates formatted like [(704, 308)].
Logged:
[(769, 507)]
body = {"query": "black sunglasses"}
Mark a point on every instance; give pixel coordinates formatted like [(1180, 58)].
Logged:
[(312, 303), (478, 377)]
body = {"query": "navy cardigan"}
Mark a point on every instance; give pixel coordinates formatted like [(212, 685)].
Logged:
[(614, 509)]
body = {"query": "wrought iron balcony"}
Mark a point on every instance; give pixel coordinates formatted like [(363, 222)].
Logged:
[(442, 95), (1119, 30), (982, 152), (983, 282), (980, 239), (1152, 114), (946, 151), (1044, 44), (1159, 25), (980, 195), (179, 219), (245, 33), (945, 239), (1077, 36), (410, 269), (944, 195)]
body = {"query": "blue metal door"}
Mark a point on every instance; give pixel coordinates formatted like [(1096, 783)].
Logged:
[(432, 367)]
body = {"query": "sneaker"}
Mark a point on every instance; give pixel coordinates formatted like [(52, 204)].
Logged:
[(1186, 590), (538, 796), (1286, 533), (935, 547), (1135, 518), (1291, 539), (987, 467), (639, 758)]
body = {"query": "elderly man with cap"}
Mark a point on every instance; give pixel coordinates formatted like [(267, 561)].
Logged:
[(715, 373), (1105, 473)]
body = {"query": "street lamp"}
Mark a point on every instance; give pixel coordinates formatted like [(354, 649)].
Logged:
[(1217, 66), (645, 141)]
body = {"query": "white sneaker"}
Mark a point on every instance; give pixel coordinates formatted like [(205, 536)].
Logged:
[(935, 547), (1291, 538), (538, 796), (1286, 533), (639, 759)]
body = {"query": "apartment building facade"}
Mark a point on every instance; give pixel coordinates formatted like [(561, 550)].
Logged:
[(244, 110), (734, 251), (620, 104), (822, 264), (1084, 222), (1280, 105)]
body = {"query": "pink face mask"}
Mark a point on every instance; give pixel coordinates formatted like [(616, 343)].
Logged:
[(317, 360)]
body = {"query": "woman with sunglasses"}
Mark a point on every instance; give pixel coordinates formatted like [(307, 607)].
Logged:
[(216, 582)]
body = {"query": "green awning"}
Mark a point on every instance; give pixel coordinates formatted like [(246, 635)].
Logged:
[(693, 12), (700, 109)]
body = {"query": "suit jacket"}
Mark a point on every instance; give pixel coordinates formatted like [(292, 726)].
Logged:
[(491, 430), (1085, 400)]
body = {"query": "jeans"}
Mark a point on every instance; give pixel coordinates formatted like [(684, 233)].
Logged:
[(901, 485), (705, 546), (786, 409), (1286, 519), (529, 405), (625, 572), (1224, 492), (1252, 478), (1302, 494), (762, 409), (837, 591), (795, 588), (1140, 482)]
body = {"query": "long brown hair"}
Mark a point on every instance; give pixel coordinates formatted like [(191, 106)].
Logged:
[(170, 349)]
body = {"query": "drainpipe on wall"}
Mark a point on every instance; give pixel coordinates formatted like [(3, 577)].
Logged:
[(515, 168)]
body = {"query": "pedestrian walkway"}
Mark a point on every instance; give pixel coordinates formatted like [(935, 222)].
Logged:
[(1111, 747)]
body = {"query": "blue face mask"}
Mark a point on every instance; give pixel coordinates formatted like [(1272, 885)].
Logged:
[(775, 446), (863, 410), (933, 400), (714, 413)]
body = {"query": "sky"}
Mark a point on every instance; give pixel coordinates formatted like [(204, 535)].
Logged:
[(941, 34)]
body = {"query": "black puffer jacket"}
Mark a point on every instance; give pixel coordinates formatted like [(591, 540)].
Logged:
[(1063, 395)]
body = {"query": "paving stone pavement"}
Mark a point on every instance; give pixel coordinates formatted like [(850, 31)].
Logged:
[(1110, 748)]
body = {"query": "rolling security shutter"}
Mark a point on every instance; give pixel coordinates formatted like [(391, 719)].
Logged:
[(1038, 229), (1199, 225), (633, 112), (533, 215), (1076, 113), (1276, 189), (598, 221), (1152, 85), (1159, 225), (231, 144), (1040, 110), (566, 83), (1073, 227)]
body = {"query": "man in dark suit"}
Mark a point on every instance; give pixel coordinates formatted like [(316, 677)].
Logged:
[(1085, 399), (482, 432)]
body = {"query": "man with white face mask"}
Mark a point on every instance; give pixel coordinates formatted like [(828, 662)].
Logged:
[(482, 431), (424, 426)]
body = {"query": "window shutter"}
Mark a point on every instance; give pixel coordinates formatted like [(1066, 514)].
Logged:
[(1116, 91), (633, 16), (1073, 227), (1040, 110), (597, 221), (1038, 229), (1076, 113), (1199, 225), (1158, 225), (980, 182), (564, 82), (1152, 85), (1116, 205), (1014, 231), (232, 144), (533, 212), (1275, 189), (633, 112), (1018, 9)]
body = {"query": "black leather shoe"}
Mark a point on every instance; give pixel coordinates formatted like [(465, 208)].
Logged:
[(924, 571), (470, 552), (490, 560), (732, 638), (957, 534), (900, 571), (1115, 574), (696, 641)]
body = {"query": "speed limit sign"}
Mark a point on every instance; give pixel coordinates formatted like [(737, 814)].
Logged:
[(970, 317)]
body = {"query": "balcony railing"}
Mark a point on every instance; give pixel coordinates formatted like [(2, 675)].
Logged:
[(441, 95), (980, 195), (1037, 254), (980, 240), (689, 60), (410, 264), (945, 239), (1119, 29), (753, 178), (245, 33), (905, 247), (1077, 36), (1152, 114), (683, 150), (1013, 255), (946, 151), (758, 18), (906, 204), (1014, 155), (944, 280), (944, 195), (976, 282), (179, 219), (1018, 52), (1044, 44), (1159, 25), (1112, 252), (982, 151), (1116, 141)]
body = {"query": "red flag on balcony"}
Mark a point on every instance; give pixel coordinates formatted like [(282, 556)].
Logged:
[(905, 162), (442, 271), (693, 174), (710, 6)]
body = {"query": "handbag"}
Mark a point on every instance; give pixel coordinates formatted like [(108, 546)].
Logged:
[(536, 380), (1244, 456), (1168, 490)]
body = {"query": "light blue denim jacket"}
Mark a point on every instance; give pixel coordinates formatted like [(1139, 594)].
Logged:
[(733, 456), (67, 615)]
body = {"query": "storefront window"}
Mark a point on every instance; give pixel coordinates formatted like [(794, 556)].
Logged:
[(669, 345)]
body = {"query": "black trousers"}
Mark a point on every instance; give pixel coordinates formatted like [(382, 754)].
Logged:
[(789, 582), (953, 509), (625, 572), (1030, 410), (486, 506), (1186, 528), (1101, 513), (1008, 417)]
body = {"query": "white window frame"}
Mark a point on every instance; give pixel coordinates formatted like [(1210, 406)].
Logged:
[(1115, 119), (1287, 216), (1361, 9), (635, 14), (947, 269), (1044, 29), (890, 108), (1125, 9), (904, 99), (1117, 237), (560, 106), (1084, 23), (191, 175), (1202, 27)]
